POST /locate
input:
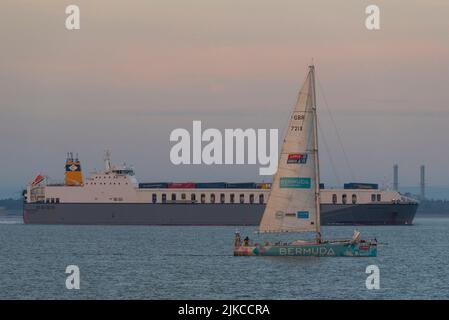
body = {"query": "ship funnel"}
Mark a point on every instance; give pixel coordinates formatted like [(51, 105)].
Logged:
[(73, 173)]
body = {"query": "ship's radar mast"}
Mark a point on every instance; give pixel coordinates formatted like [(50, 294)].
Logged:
[(107, 160)]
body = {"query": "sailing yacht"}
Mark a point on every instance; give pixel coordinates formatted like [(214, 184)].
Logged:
[(294, 200)]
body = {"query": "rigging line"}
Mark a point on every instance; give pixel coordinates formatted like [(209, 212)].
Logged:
[(336, 131), (334, 170)]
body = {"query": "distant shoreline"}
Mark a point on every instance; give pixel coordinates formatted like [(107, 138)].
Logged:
[(432, 215)]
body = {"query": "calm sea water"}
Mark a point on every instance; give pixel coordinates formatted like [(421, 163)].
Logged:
[(141, 262)]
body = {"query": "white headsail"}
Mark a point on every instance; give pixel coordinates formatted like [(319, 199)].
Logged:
[(293, 204)]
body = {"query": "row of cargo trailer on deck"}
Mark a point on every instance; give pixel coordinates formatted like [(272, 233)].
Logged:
[(203, 185), (237, 185)]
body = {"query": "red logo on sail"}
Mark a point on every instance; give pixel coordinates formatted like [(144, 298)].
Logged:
[(297, 158)]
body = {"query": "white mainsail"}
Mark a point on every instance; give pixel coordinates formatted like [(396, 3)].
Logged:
[(293, 204)]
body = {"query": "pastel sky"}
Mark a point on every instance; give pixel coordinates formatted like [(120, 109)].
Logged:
[(139, 69)]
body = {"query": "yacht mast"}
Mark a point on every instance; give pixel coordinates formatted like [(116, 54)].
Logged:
[(315, 153)]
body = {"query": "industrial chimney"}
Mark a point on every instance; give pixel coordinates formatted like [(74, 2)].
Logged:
[(422, 183), (395, 177)]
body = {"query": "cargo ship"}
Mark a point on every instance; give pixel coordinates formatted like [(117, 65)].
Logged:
[(115, 197)]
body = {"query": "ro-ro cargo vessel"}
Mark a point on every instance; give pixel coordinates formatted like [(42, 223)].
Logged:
[(114, 197)]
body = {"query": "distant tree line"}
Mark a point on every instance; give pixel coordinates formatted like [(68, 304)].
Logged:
[(11, 204), (433, 206)]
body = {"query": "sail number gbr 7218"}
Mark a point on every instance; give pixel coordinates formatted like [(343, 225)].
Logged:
[(297, 116)]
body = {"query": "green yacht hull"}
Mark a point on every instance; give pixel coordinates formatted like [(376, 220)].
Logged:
[(329, 249)]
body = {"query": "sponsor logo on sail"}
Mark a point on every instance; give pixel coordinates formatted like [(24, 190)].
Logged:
[(279, 214), (302, 214), (295, 158), (294, 182)]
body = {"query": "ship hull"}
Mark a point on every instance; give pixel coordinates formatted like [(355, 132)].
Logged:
[(205, 214)]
